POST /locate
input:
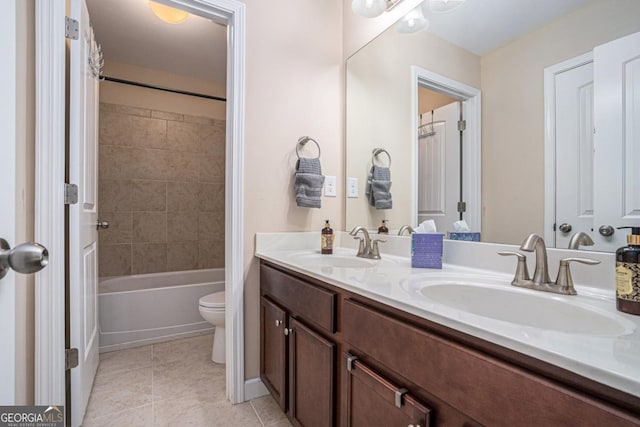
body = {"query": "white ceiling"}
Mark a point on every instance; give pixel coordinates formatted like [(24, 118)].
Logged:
[(480, 26), (130, 33)]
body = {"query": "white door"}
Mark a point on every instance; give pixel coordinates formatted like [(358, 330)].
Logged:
[(83, 245), (8, 197), (438, 168), (617, 139), (574, 154)]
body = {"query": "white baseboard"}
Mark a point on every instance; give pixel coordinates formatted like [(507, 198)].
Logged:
[(254, 388)]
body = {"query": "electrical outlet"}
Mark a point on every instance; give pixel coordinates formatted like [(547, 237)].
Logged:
[(330, 186), (352, 187)]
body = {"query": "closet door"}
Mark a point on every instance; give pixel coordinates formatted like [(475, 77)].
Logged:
[(617, 140)]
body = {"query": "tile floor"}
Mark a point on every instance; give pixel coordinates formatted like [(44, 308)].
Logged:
[(171, 384)]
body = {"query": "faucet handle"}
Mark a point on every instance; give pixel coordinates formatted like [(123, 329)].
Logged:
[(564, 279), (375, 250), (522, 272)]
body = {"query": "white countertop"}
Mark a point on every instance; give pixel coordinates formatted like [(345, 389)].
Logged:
[(610, 360)]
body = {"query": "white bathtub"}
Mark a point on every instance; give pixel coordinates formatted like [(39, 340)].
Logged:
[(150, 308)]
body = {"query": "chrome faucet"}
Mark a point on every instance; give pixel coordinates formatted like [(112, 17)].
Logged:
[(368, 248), (541, 282), (536, 243), (407, 228), (580, 239)]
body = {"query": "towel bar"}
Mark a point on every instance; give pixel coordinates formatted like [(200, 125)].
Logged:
[(302, 141)]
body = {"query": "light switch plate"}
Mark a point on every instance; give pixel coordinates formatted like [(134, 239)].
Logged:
[(352, 187), (330, 186)]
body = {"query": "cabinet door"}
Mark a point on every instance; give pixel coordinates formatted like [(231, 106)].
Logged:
[(311, 377), (273, 350), (373, 400)]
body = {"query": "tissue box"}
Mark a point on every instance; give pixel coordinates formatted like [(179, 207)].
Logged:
[(469, 236), (426, 250)]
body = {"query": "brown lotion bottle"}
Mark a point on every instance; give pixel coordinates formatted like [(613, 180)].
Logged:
[(383, 229), (628, 274), (326, 243)]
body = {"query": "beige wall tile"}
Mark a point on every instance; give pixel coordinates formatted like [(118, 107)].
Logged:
[(149, 227), (147, 132), (182, 226), (148, 195), (149, 258), (210, 196), (114, 260), (132, 111), (182, 256), (198, 120), (182, 136), (183, 166), (115, 162), (114, 128), (211, 168), (167, 115), (147, 163), (120, 227), (114, 195), (210, 254), (182, 196), (209, 226), (211, 139), (104, 107)]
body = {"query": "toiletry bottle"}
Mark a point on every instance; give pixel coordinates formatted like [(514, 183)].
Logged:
[(383, 228), (326, 244), (628, 274)]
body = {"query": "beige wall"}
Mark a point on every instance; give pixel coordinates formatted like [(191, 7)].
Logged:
[(118, 93), (513, 113), (294, 85), (429, 100), (25, 189), (379, 111)]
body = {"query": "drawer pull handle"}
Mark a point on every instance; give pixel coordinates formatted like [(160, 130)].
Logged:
[(278, 322), (399, 393)]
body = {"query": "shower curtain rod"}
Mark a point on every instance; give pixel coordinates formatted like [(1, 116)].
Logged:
[(166, 89)]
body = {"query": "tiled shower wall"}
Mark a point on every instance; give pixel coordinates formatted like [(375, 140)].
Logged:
[(161, 187)]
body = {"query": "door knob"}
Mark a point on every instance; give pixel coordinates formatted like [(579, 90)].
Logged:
[(102, 224), (606, 230), (565, 228), (25, 258)]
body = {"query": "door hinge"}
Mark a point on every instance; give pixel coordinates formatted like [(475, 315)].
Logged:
[(462, 207), (71, 28), (462, 125), (70, 358), (70, 194)]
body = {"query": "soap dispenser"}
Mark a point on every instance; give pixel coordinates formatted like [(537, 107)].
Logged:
[(383, 229), (326, 243), (628, 274)]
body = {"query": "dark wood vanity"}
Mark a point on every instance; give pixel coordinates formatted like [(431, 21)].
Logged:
[(332, 357)]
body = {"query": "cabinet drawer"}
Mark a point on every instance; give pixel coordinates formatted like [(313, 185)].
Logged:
[(310, 302), (373, 400), (482, 387)]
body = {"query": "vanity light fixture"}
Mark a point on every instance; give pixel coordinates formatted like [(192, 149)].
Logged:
[(168, 14), (412, 22), (372, 8), (441, 6)]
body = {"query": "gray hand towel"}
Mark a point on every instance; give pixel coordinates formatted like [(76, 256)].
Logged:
[(378, 187), (308, 183)]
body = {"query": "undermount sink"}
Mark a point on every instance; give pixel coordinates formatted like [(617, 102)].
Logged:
[(524, 307)]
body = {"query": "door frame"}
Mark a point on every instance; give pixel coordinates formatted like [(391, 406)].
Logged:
[(550, 140), (471, 149), (50, 162)]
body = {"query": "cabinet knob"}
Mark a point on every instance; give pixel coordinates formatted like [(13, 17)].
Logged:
[(288, 331), (278, 322)]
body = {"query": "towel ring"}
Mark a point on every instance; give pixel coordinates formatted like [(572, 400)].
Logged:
[(302, 141), (377, 151)]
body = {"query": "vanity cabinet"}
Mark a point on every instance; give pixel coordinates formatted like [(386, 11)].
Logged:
[(297, 355), (399, 369)]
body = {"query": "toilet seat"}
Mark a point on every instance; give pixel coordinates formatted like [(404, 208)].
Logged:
[(213, 301)]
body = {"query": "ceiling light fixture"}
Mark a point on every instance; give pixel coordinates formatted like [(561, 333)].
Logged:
[(372, 8), (441, 6), (168, 14), (413, 22)]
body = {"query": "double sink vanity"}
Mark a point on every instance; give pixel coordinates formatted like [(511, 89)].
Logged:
[(352, 341)]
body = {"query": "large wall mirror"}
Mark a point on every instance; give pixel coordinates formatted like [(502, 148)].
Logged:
[(503, 49)]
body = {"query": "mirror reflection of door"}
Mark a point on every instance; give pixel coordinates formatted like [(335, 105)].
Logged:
[(439, 165)]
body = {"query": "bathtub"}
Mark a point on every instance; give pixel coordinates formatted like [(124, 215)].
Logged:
[(150, 308)]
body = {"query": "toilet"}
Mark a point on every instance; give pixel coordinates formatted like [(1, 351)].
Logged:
[(212, 310)]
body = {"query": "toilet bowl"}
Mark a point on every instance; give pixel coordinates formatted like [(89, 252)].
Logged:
[(212, 310)]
